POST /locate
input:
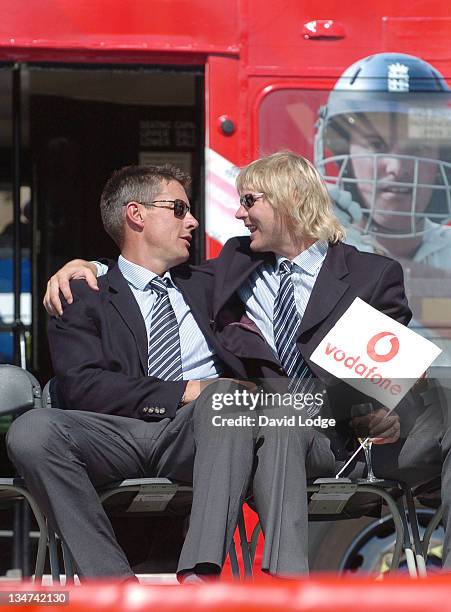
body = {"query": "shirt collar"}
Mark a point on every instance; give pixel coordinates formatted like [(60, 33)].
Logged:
[(138, 276), (309, 260)]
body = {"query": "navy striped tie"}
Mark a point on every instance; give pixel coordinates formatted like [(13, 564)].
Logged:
[(286, 330), (165, 359)]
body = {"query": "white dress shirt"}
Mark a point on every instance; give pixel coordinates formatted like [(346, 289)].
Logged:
[(259, 292), (198, 359)]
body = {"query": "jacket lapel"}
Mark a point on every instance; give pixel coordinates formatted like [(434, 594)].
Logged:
[(328, 288), (123, 300), (231, 275)]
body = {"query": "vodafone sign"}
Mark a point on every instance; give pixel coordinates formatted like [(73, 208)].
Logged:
[(356, 365), (372, 344), (374, 353)]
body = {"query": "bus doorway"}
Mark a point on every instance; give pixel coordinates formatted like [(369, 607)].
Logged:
[(83, 124), (64, 130)]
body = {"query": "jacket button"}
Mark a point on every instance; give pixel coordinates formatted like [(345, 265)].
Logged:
[(162, 410), (145, 409), (157, 410), (151, 410)]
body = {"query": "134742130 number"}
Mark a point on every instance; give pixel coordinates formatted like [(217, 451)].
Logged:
[(34, 597)]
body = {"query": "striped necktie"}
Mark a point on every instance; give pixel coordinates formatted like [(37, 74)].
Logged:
[(286, 330), (165, 359)]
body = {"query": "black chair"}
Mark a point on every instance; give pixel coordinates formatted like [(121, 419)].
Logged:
[(332, 499), (19, 392), (341, 498), (132, 497)]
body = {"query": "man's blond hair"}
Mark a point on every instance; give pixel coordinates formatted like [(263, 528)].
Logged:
[(296, 191)]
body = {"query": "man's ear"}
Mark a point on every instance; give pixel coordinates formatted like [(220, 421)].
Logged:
[(133, 215)]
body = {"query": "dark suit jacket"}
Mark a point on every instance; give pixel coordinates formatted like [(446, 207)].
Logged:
[(346, 274), (99, 347)]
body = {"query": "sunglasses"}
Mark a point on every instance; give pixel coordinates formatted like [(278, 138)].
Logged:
[(248, 199), (180, 207)]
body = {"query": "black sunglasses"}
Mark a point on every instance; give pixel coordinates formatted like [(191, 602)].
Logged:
[(248, 199), (180, 207)]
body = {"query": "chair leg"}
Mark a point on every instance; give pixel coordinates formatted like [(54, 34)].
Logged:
[(419, 554), (234, 560), (43, 533), (41, 554), (254, 541), (26, 545), (244, 545), (53, 553), (17, 535), (68, 565), (407, 541), (433, 524), (400, 522)]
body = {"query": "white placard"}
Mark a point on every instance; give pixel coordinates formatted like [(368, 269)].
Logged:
[(375, 354), (153, 498)]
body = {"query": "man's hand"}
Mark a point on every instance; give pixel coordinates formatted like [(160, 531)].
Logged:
[(192, 391), (195, 387), (382, 427), (77, 268)]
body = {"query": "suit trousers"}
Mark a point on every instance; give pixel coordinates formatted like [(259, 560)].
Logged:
[(422, 454), (65, 455)]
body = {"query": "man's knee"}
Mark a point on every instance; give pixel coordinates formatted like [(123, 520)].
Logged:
[(278, 427), (224, 398), (221, 414), (32, 435)]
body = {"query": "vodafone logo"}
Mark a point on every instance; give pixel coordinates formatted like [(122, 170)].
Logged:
[(356, 365), (375, 355)]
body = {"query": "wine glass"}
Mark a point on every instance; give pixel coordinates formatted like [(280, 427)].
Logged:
[(360, 410)]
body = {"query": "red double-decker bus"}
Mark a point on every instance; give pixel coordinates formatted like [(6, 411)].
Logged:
[(88, 86)]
